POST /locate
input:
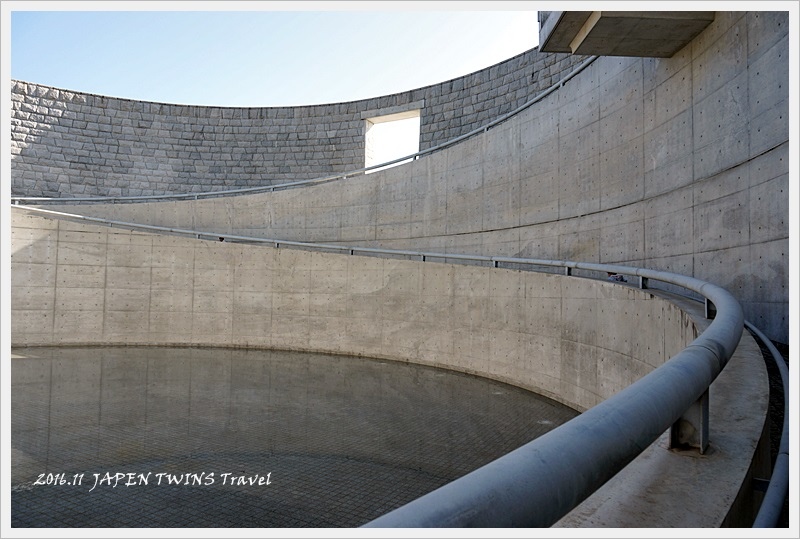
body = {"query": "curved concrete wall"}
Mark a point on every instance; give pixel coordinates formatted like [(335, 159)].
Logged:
[(574, 340), (678, 164), (67, 143)]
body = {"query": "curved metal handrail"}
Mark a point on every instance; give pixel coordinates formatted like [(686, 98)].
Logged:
[(323, 179), (422, 255), (540, 482), (772, 505), (536, 485)]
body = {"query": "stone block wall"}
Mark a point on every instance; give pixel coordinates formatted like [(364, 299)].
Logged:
[(461, 105), (67, 143)]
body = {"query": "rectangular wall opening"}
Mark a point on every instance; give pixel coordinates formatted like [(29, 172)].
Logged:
[(390, 137)]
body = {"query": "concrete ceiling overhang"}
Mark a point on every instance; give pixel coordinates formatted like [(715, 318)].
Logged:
[(621, 33)]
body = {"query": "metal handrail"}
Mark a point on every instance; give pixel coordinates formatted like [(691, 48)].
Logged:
[(323, 179), (540, 482), (536, 485), (422, 255), (772, 505)]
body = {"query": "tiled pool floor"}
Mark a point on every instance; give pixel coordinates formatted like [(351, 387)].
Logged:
[(334, 441)]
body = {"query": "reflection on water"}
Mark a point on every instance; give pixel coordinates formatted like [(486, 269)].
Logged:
[(162, 437)]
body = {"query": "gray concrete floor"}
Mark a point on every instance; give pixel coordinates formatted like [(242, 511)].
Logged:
[(341, 440)]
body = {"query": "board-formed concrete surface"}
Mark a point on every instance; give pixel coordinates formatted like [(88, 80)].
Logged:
[(575, 340), (678, 164)]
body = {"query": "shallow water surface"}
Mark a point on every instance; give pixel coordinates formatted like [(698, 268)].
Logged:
[(197, 437)]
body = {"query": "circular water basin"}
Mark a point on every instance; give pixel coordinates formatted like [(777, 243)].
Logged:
[(196, 437)]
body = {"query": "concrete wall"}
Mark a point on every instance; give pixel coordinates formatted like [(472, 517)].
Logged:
[(679, 164), (67, 143), (574, 340)]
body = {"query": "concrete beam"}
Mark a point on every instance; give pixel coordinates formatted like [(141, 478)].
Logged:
[(658, 34)]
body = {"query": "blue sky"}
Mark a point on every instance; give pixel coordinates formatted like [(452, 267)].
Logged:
[(262, 53)]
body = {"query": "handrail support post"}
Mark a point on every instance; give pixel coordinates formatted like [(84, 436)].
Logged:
[(710, 309), (691, 430)]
